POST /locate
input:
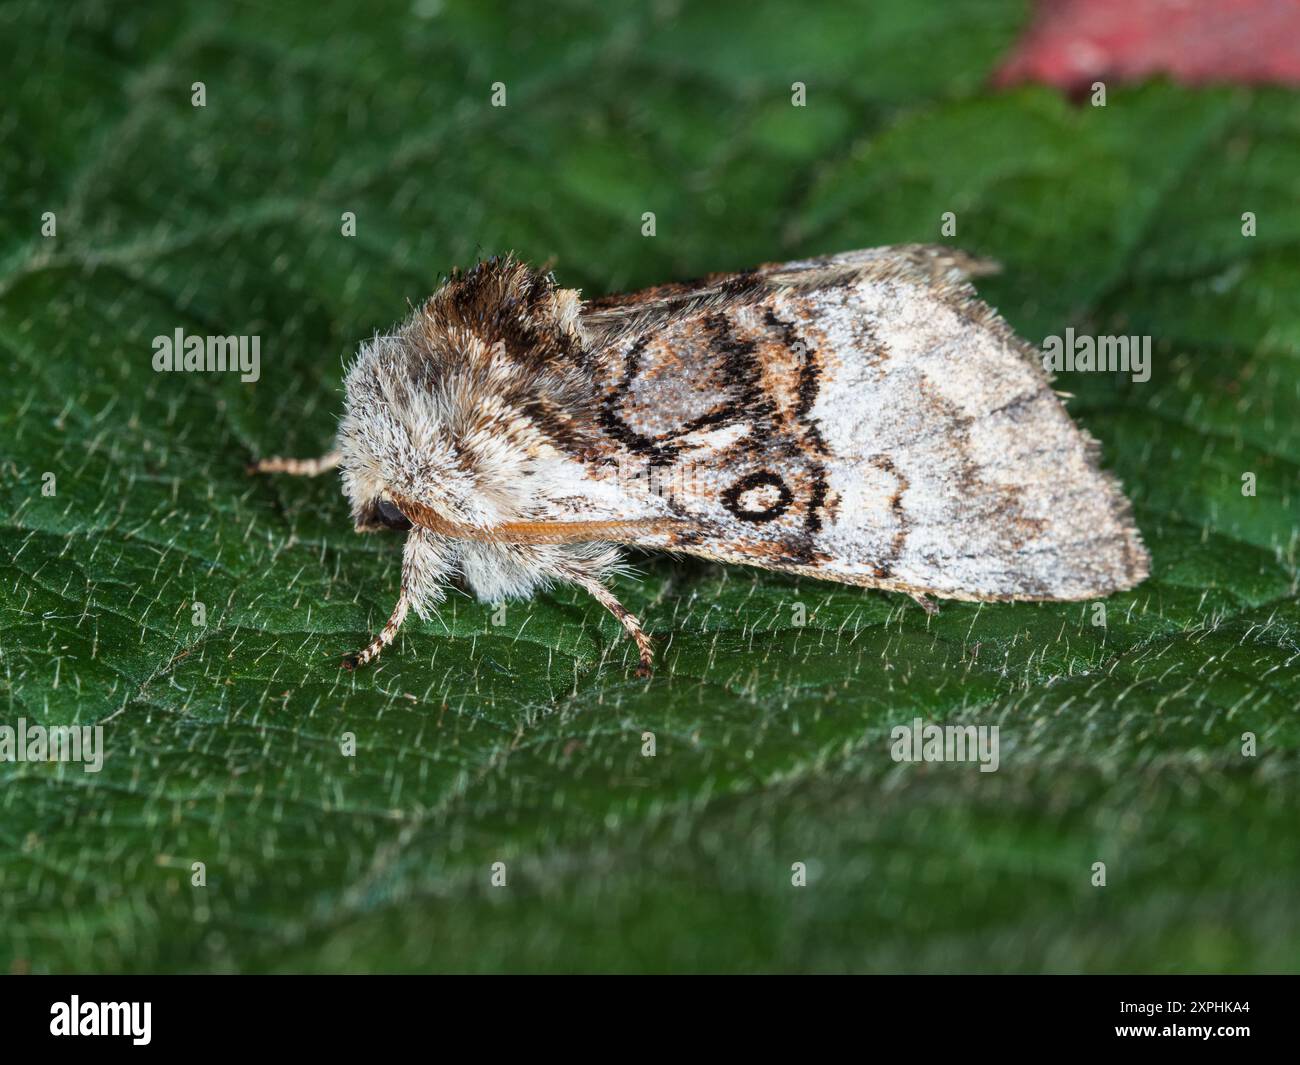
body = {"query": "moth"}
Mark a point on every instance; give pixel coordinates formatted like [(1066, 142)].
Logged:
[(860, 418)]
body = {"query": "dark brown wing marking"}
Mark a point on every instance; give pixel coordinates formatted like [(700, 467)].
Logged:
[(808, 383), (748, 502), (732, 364)]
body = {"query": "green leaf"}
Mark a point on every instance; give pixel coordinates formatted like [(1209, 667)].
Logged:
[(521, 743)]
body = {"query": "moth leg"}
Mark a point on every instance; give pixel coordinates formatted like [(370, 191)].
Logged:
[(297, 467), (628, 620), (928, 605), (374, 648)]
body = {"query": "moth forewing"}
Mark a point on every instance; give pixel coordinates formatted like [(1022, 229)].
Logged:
[(868, 421), (860, 418)]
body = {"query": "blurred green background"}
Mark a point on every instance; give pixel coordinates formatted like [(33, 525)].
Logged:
[(522, 743)]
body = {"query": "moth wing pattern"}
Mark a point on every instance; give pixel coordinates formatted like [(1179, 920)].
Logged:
[(862, 418)]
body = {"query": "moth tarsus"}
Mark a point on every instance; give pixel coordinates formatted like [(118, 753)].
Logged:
[(861, 418), (927, 604), (382, 639), (629, 621)]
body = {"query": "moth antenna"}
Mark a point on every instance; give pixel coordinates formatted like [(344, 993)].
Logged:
[(626, 618), (297, 467), (375, 647)]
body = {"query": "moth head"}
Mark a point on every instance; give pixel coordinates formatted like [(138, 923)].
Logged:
[(395, 444), (465, 408)]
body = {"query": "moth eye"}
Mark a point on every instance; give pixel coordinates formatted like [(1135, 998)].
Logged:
[(390, 516)]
